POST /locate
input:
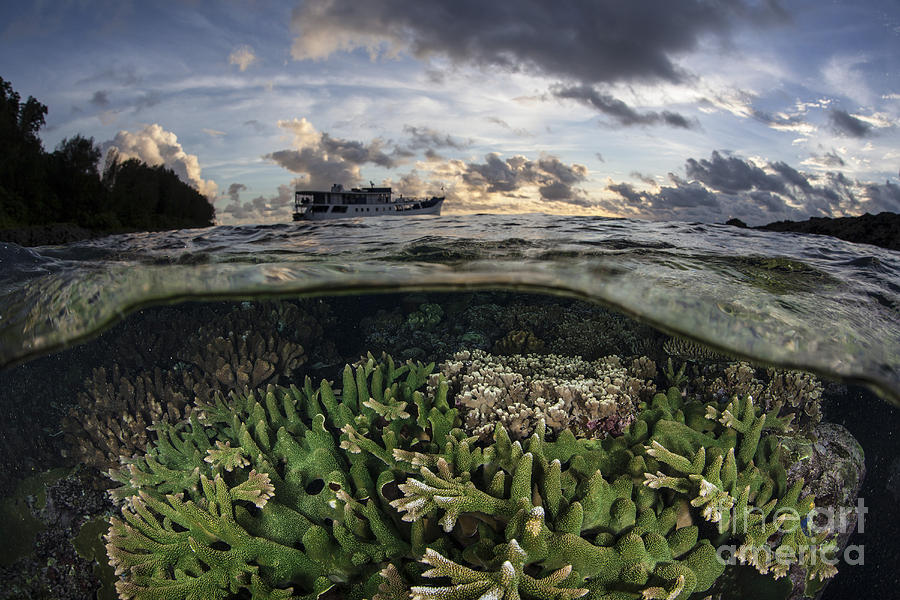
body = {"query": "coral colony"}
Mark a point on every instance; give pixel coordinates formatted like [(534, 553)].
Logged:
[(410, 483)]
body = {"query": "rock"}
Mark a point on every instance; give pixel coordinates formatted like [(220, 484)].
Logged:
[(882, 229)]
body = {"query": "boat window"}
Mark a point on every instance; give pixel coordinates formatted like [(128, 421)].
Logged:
[(339, 209), (320, 209)]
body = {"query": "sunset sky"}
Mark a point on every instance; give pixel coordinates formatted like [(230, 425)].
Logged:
[(693, 110)]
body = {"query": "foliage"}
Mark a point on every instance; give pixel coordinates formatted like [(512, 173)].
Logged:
[(38, 188), (376, 492)]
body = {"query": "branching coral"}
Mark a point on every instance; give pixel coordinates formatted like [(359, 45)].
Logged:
[(246, 347), (594, 398), (793, 395), (376, 492), (247, 360), (114, 412)]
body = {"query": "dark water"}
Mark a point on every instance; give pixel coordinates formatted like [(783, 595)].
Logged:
[(579, 286)]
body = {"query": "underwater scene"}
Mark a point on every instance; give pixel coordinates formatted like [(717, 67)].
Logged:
[(517, 407)]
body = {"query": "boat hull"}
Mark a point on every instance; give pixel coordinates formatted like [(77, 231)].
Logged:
[(432, 207)]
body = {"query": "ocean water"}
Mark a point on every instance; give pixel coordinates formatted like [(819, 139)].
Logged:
[(99, 338)]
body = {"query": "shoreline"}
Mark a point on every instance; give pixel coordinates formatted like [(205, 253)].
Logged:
[(882, 230)]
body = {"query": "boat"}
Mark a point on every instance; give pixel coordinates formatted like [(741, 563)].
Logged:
[(360, 202)]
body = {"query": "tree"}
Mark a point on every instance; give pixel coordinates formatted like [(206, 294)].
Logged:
[(21, 154), (75, 181), (66, 185)]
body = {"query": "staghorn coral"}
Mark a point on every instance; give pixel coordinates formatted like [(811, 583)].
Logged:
[(377, 493), (595, 398), (114, 412)]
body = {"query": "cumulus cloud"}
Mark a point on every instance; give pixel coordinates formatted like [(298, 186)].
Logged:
[(516, 176), (323, 160), (590, 42), (757, 192), (156, 146), (242, 57), (260, 209), (618, 110)]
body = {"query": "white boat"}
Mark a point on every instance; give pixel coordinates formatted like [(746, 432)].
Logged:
[(360, 202)]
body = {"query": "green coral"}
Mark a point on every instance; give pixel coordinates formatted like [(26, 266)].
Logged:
[(376, 491)]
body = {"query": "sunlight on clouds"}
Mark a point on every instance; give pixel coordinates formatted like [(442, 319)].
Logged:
[(156, 146), (242, 57)]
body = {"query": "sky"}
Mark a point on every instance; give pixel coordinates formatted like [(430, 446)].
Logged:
[(689, 110)]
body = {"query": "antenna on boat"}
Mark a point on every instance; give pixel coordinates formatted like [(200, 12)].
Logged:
[(371, 183)]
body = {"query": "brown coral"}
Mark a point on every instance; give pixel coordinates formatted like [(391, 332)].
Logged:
[(793, 394), (518, 341), (114, 412), (248, 360)]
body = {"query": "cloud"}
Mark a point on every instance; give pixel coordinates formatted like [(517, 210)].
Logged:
[(843, 73), (213, 132), (519, 131), (829, 160), (156, 146), (591, 41), (846, 124), (100, 98), (583, 43), (425, 137), (757, 192), (242, 57), (323, 160), (553, 179), (740, 104), (731, 175), (255, 124), (618, 110), (261, 208)]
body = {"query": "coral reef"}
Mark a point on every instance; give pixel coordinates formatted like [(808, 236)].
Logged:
[(245, 360), (376, 492), (114, 412), (685, 349), (196, 352), (503, 323), (518, 341), (795, 396), (590, 398)]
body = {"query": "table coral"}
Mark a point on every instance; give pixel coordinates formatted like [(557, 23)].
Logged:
[(376, 492)]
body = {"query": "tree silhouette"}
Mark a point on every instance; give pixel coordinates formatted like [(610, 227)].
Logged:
[(66, 186)]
